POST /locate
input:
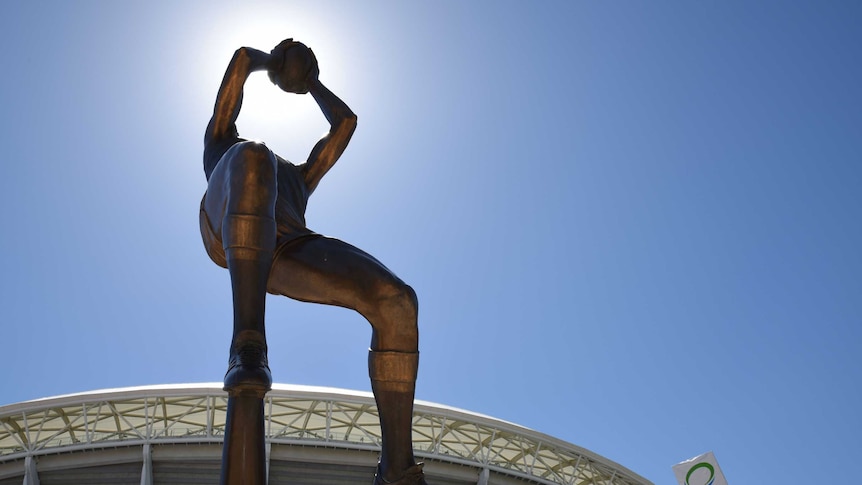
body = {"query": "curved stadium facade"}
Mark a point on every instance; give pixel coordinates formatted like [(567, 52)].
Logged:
[(173, 435)]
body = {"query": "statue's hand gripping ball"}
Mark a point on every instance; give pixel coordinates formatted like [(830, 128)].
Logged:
[(293, 63)]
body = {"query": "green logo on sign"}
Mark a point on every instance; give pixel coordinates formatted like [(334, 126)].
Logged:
[(701, 465)]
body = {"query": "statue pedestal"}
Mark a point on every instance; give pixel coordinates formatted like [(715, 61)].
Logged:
[(244, 452)]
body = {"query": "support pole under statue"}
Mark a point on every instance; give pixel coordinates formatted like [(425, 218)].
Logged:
[(244, 451)]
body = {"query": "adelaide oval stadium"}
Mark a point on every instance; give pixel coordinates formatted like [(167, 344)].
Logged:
[(173, 434)]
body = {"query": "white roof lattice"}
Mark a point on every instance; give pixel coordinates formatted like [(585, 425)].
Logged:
[(301, 415)]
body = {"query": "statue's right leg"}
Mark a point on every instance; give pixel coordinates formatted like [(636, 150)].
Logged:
[(325, 270), (240, 207)]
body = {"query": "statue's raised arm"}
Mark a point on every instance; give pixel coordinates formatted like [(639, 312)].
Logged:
[(342, 124), (295, 70), (221, 131)]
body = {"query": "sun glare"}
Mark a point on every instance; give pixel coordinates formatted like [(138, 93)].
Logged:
[(291, 124)]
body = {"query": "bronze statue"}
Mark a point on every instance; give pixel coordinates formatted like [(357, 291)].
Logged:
[(253, 223)]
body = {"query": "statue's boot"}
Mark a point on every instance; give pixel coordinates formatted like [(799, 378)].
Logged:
[(393, 380), (248, 242), (248, 366), (411, 476)]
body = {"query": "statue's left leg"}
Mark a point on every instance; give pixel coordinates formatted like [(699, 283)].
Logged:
[(393, 381), (239, 206), (324, 270)]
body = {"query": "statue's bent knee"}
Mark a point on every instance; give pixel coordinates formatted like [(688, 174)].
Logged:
[(252, 161), (411, 298), (251, 185), (249, 149), (395, 319), (402, 296)]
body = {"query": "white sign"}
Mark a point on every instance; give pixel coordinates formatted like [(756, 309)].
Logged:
[(700, 470)]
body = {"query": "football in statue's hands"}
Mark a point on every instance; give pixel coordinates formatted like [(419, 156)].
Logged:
[(297, 62)]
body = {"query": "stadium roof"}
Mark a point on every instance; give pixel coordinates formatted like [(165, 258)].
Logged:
[(322, 418)]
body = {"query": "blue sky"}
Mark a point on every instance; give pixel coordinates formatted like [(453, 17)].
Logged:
[(634, 226)]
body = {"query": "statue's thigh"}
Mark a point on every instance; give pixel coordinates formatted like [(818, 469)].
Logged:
[(325, 270), (246, 172), (215, 200)]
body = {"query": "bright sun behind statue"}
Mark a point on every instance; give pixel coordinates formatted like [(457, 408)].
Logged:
[(289, 123)]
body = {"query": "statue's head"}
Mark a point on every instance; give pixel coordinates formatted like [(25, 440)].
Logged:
[(297, 61)]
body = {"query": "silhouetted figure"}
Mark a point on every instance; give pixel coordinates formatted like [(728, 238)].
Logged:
[(253, 224)]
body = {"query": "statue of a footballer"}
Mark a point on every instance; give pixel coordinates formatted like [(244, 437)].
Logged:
[(253, 223)]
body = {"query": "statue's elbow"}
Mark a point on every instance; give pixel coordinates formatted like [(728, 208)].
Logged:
[(240, 53), (349, 121), (350, 117)]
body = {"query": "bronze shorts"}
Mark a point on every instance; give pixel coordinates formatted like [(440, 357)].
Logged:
[(215, 249)]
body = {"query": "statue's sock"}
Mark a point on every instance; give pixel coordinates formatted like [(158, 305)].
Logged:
[(249, 242), (393, 380)]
